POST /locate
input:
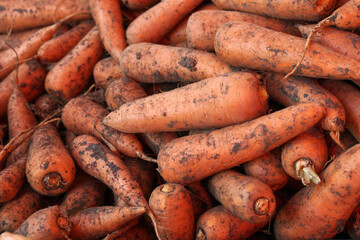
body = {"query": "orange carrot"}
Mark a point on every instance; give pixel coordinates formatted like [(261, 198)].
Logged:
[(225, 148), (334, 150), (220, 224), (154, 88), (139, 232), (139, 4), (328, 204), (105, 70), (352, 224), (160, 18), (56, 48), (171, 203), (12, 236), (309, 10), (270, 50), (45, 105), (69, 77), (115, 235), (171, 64), (214, 102), (200, 198), (15, 39)]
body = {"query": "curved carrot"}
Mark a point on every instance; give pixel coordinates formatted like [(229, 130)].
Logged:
[(105, 70)]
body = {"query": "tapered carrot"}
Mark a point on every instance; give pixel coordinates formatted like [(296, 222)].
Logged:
[(69, 77), (268, 169), (47, 223), (220, 224), (270, 50), (97, 222), (203, 25), (328, 204), (171, 64), (50, 170), (139, 4), (161, 18), (105, 70), (12, 179), (56, 48), (45, 105), (214, 102), (171, 203), (349, 97), (309, 10), (334, 150), (225, 148)]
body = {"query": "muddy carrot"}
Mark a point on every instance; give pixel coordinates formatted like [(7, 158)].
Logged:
[(12, 236), (200, 198), (105, 70), (45, 105), (334, 150), (139, 4), (352, 224), (154, 88), (14, 39), (139, 232)]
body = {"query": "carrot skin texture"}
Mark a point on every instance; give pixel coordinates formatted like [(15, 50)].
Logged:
[(233, 45), (309, 11), (69, 77), (15, 39), (105, 70), (329, 203), (171, 203), (96, 160), (139, 232), (138, 4), (154, 18), (219, 224), (107, 15), (352, 224), (45, 105), (172, 64), (56, 48), (236, 144), (50, 169), (215, 102)]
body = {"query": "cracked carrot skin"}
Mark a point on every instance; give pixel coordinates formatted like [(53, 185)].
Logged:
[(215, 102), (154, 63), (222, 149), (285, 9)]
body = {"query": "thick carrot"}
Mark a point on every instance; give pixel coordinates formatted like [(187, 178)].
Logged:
[(268, 169), (219, 224), (192, 158), (308, 10), (45, 105), (350, 99), (215, 102), (203, 25), (139, 4), (154, 63), (352, 224), (270, 50), (56, 48), (97, 222), (22, 15), (98, 161), (105, 70), (160, 18), (334, 150), (304, 156), (12, 179), (31, 77), (328, 204), (171, 203), (294, 90), (47, 223), (50, 170), (69, 77)]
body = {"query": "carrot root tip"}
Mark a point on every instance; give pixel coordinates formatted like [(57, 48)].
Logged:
[(305, 170), (261, 206), (335, 136), (200, 235), (145, 157), (52, 181)]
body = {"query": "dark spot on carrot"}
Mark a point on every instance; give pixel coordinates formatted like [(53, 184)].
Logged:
[(20, 10), (2, 8), (46, 165), (164, 114), (237, 147), (138, 55), (188, 63), (172, 123)]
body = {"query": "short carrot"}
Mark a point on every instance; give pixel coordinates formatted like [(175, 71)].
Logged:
[(106, 69), (228, 147)]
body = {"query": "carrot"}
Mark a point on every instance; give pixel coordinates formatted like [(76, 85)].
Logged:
[(328, 204), (45, 105), (308, 11), (270, 50), (88, 122), (304, 156), (50, 170), (268, 169), (192, 158), (98, 161), (293, 90), (56, 48), (12, 179), (97, 222), (335, 150), (200, 198), (47, 223), (69, 77), (349, 97), (15, 39), (171, 203), (105, 70), (22, 15), (220, 224), (97, 96), (203, 25), (12, 236), (85, 192), (139, 232), (154, 88), (160, 18), (214, 102), (171, 64), (139, 4), (352, 224), (115, 235), (31, 77)]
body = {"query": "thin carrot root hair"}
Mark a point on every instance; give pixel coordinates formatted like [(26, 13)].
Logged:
[(143, 156), (8, 34), (90, 89)]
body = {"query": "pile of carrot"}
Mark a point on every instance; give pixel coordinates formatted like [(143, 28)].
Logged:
[(179, 119)]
